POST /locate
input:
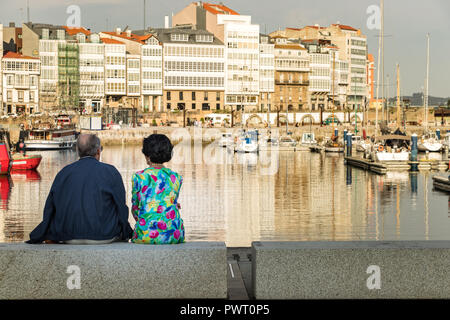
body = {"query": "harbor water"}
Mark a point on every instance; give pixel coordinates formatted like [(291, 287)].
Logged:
[(308, 197)]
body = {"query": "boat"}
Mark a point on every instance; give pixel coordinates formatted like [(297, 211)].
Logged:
[(25, 162), (308, 139), (363, 146), (446, 141), (392, 147), (287, 141), (5, 152), (225, 140), (50, 139), (392, 155), (429, 142), (332, 145), (247, 142)]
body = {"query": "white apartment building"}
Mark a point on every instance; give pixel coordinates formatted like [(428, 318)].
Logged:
[(20, 80), (319, 79), (48, 54), (92, 72), (358, 88), (151, 75), (339, 71), (241, 39), (266, 72), (193, 72), (133, 80), (115, 72), (149, 49)]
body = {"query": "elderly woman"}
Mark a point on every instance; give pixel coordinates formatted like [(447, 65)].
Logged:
[(155, 194)]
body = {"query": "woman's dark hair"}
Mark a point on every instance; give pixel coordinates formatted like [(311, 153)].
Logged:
[(158, 148)]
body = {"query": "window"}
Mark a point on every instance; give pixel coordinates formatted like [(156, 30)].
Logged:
[(193, 106), (168, 106), (217, 106), (206, 97), (20, 96), (193, 97), (168, 96), (217, 96), (181, 95)]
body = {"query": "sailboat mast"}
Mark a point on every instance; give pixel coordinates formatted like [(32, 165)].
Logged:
[(382, 58), (378, 83), (427, 82), (398, 94)]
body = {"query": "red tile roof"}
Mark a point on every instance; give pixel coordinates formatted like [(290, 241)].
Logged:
[(110, 41), (13, 55), (218, 9), (344, 27), (132, 37), (73, 31), (315, 27)]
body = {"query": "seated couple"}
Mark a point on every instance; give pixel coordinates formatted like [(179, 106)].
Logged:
[(87, 201)]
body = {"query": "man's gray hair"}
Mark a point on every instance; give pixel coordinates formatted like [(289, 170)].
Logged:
[(87, 145)]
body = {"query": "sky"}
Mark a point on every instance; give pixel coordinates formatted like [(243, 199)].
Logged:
[(407, 23)]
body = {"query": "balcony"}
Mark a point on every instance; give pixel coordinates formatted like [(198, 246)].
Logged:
[(292, 83)]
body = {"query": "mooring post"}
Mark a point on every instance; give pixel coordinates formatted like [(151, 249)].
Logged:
[(414, 164), (349, 145), (438, 134), (345, 136)]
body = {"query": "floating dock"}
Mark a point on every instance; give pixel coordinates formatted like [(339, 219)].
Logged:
[(441, 183), (381, 167)]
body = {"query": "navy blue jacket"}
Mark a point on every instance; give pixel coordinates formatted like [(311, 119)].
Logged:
[(86, 201)]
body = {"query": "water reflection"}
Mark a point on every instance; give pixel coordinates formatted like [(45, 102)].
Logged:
[(310, 197)]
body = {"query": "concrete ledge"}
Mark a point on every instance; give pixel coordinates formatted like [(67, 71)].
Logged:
[(114, 271), (342, 270)]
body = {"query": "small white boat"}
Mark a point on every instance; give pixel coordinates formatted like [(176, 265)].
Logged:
[(248, 142), (446, 141), (308, 140), (363, 146), (225, 140), (334, 146), (429, 142), (287, 141)]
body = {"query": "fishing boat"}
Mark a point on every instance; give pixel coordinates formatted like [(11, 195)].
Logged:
[(25, 162), (50, 139)]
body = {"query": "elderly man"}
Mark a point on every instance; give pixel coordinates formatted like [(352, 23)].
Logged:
[(86, 203)]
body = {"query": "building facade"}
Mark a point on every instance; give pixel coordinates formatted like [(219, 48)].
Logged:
[(20, 79), (266, 73), (292, 69)]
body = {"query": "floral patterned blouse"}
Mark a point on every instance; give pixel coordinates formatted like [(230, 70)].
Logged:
[(154, 206)]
